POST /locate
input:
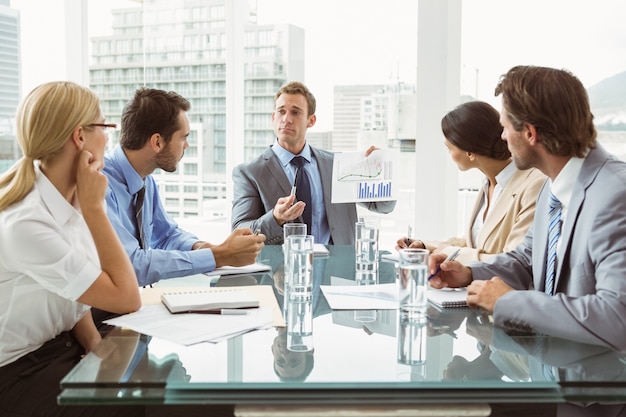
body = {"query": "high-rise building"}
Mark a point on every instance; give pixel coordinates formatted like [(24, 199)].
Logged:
[(347, 113), (10, 82), (181, 46)]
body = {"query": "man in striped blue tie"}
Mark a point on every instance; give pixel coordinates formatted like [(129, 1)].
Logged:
[(567, 278)]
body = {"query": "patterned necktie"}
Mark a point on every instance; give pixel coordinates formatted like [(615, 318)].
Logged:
[(139, 216), (303, 191), (554, 232)]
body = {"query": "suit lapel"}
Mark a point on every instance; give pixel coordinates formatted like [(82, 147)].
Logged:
[(588, 172), (275, 170)]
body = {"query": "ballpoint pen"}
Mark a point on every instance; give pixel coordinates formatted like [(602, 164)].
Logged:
[(450, 257), (228, 312), (408, 237), (295, 181)]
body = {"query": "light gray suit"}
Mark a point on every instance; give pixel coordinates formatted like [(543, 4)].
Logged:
[(590, 300), (259, 183)]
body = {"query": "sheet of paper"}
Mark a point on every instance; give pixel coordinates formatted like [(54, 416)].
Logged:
[(361, 297), (190, 328), (357, 178)]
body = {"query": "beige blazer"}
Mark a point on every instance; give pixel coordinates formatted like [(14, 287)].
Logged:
[(506, 224)]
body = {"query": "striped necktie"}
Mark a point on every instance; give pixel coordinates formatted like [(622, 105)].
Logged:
[(554, 232), (139, 216)]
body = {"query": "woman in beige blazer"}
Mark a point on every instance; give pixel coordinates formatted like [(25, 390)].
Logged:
[(505, 206)]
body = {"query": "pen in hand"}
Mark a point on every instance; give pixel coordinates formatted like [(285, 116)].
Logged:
[(295, 181), (450, 257), (407, 242)]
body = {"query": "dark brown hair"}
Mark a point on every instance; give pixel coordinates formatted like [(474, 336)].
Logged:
[(151, 111), (475, 127), (555, 102)]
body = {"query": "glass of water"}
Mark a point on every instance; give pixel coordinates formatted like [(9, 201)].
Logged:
[(413, 282)]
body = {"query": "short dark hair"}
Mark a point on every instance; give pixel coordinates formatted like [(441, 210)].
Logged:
[(555, 102), (151, 111), (475, 127), (296, 87)]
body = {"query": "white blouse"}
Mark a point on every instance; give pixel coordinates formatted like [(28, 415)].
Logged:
[(47, 260)]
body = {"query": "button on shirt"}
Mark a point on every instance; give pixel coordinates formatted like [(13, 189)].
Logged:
[(169, 253), (47, 260)]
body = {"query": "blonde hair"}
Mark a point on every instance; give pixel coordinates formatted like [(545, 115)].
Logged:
[(45, 121)]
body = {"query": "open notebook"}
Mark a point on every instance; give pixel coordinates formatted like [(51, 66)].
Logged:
[(447, 298)]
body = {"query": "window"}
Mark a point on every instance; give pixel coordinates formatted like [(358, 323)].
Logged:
[(151, 43)]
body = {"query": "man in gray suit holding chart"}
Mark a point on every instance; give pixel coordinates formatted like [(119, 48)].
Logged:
[(568, 277), (268, 193)]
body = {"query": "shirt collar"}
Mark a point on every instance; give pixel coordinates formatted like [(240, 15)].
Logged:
[(503, 177), (131, 177), (285, 157), (563, 184), (56, 204)]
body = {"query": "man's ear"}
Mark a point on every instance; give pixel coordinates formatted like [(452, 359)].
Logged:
[(312, 120), (530, 133), (156, 142)]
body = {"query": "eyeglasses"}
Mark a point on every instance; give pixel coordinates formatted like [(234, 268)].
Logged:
[(107, 127)]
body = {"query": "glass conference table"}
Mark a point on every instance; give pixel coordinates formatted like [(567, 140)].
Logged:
[(356, 363)]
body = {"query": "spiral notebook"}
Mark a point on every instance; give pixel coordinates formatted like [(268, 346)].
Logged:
[(208, 300), (448, 298)]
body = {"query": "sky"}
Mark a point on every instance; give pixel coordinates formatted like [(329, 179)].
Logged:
[(374, 41)]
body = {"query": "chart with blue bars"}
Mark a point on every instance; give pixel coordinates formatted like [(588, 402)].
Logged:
[(369, 190)]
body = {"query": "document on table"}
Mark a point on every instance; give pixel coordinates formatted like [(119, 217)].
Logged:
[(358, 178), (235, 270), (190, 328), (361, 297)]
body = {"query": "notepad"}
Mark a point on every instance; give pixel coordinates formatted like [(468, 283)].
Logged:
[(448, 298), (207, 300)]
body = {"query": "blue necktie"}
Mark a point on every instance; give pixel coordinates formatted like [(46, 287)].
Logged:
[(303, 191), (554, 232)]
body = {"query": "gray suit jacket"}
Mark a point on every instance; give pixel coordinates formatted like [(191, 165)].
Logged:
[(259, 183), (590, 303)]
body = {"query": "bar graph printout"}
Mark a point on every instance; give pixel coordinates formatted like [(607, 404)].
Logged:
[(357, 178)]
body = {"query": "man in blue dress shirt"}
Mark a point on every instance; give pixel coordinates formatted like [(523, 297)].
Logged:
[(155, 127)]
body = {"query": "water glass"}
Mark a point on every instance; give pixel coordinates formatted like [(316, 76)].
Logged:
[(293, 229), (413, 282), (300, 325), (299, 267), (290, 229), (366, 246)]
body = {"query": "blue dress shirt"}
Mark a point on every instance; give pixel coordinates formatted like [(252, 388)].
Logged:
[(169, 253), (320, 227)]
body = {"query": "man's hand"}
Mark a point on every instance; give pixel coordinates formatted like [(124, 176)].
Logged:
[(485, 293), (239, 249), (287, 209), (453, 274)]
